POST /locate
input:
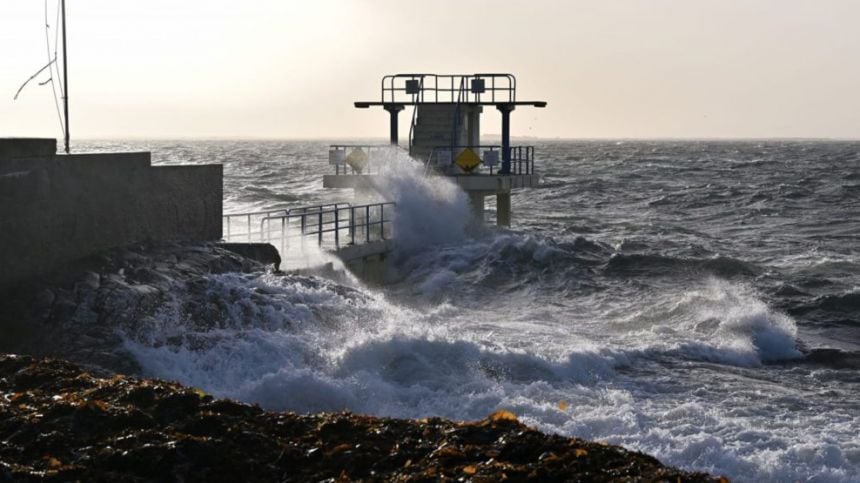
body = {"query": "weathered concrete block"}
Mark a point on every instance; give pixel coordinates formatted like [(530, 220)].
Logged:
[(56, 209), (27, 147)]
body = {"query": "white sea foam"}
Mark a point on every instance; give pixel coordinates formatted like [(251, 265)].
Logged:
[(305, 344), (431, 210)]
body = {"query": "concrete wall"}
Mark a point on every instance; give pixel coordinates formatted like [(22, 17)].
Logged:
[(436, 123), (15, 147), (56, 209)]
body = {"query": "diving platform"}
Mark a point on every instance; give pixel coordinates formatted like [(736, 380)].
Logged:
[(444, 136)]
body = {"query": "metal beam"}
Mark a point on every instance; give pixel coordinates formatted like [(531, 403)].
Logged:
[(367, 104)]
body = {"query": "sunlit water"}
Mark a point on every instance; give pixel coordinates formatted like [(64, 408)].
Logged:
[(699, 301)]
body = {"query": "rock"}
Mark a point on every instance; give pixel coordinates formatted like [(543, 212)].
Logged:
[(58, 422), (45, 299), (90, 280)]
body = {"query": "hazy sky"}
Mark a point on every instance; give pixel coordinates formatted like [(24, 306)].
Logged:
[(290, 69)]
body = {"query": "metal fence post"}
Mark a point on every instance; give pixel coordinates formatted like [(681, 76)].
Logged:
[(352, 225), (336, 228), (382, 221)]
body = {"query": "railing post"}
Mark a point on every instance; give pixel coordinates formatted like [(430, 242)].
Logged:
[(382, 221), (352, 225), (336, 228), (228, 227), (367, 223), (319, 229), (519, 160), (531, 152)]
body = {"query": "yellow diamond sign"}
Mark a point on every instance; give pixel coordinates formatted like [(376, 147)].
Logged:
[(357, 159), (468, 160)]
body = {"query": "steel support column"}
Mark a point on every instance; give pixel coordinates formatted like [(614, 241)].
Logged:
[(393, 110), (506, 109)]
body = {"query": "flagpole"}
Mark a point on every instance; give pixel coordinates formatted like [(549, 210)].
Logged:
[(65, 77)]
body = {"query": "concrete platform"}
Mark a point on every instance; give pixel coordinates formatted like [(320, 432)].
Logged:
[(475, 182), (353, 253)]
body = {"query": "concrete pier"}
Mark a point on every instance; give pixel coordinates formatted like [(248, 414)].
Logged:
[(55, 209), (476, 199), (503, 209)]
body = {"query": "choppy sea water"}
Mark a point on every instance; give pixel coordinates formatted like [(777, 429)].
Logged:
[(699, 301)]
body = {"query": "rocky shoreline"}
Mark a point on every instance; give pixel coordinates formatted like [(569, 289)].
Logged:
[(58, 422)]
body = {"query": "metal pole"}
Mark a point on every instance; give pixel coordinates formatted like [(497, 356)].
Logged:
[(65, 77)]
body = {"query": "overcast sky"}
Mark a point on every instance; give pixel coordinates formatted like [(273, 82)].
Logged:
[(290, 69)]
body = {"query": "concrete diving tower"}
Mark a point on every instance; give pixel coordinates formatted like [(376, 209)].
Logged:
[(444, 135)]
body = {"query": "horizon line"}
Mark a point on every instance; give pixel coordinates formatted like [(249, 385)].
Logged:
[(495, 135)]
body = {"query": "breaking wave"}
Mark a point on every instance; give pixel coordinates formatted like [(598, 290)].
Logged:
[(696, 301)]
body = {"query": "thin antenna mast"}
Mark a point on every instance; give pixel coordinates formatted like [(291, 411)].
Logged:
[(65, 77)]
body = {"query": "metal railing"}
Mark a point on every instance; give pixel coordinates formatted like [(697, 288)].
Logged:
[(238, 227), (377, 155), (462, 94), (329, 228), (522, 158), (443, 88)]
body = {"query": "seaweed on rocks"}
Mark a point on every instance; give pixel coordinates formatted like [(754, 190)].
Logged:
[(58, 422)]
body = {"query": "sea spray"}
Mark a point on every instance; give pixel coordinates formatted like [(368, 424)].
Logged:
[(431, 211)]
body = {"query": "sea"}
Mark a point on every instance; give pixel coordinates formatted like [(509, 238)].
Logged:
[(695, 300)]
